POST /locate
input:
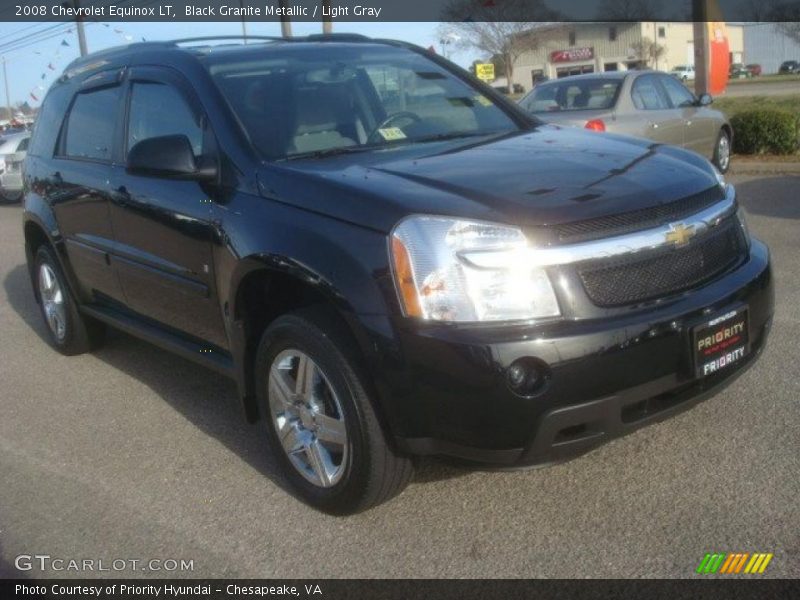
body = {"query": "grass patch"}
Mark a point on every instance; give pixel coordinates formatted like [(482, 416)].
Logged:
[(730, 106)]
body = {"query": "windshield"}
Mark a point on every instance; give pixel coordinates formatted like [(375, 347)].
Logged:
[(578, 94), (315, 99)]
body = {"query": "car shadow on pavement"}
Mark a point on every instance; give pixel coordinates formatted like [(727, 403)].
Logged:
[(768, 197), (206, 399)]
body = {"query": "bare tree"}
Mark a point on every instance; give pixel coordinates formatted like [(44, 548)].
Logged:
[(503, 29), (647, 51), (626, 10)]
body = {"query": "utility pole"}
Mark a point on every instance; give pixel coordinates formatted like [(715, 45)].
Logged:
[(327, 24), (8, 94), (79, 27), (286, 23), (701, 67)]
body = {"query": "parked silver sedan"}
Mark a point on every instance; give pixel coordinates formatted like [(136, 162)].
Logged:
[(13, 148), (647, 104)]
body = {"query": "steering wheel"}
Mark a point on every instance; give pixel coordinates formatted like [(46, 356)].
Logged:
[(375, 136)]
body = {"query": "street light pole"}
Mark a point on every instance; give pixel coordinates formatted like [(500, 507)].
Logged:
[(244, 22), (8, 94), (286, 24)]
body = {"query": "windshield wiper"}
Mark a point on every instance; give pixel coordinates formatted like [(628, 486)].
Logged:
[(330, 152), (454, 135)]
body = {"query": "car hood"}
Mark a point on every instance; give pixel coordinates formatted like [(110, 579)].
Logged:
[(546, 176)]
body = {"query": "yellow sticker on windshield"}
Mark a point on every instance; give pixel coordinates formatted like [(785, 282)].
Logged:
[(483, 100), (392, 133)]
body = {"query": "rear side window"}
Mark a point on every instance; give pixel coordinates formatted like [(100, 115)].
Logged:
[(48, 123), (90, 128), (158, 110), (583, 94), (647, 94)]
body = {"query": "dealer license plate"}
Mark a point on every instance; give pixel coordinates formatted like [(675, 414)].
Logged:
[(721, 342)]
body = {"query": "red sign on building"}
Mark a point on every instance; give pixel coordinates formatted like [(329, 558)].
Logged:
[(572, 55)]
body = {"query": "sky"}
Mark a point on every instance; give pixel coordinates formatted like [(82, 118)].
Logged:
[(25, 67)]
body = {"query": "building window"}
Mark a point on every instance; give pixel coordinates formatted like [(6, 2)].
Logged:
[(571, 38), (612, 34), (662, 32)]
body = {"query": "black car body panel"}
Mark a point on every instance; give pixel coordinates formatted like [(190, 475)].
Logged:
[(175, 261)]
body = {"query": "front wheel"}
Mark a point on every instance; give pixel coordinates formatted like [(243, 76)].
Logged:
[(8, 197), (722, 152), (321, 423)]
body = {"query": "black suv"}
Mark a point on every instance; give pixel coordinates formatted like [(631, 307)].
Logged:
[(388, 257), (788, 67)]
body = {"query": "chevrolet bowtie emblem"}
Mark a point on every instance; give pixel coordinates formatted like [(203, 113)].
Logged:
[(680, 234)]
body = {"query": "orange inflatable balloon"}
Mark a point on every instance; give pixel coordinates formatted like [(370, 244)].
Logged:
[(719, 58)]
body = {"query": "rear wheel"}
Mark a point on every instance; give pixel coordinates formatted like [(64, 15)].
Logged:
[(321, 424), (70, 332), (722, 152)]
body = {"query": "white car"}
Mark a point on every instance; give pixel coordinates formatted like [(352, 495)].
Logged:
[(13, 148), (683, 72)]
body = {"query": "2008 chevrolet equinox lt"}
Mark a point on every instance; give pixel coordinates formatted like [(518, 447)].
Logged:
[(389, 258)]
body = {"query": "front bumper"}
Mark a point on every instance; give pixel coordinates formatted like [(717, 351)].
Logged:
[(444, 388), (11, 181)]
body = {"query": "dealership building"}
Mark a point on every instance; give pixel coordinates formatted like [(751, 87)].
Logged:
[(573, 48)]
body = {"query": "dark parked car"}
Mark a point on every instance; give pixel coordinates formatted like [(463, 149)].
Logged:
[(389, 258), (788, 67)]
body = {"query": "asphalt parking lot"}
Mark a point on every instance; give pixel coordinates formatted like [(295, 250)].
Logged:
[(132, 453)]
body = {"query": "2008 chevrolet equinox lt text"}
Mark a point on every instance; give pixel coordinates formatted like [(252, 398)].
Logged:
[(389, 258)]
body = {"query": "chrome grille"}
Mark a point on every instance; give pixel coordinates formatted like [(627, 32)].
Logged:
[(649, 275)]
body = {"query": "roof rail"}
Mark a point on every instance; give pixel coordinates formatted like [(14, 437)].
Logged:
[(211, 38)]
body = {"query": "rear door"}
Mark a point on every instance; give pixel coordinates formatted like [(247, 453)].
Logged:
[(163, 226), (78, 183), (654, 115)]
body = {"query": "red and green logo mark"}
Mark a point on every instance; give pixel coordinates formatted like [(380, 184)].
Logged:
[(732, 563)]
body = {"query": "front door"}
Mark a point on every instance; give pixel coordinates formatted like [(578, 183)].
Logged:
[(163, 227), (699, 132)]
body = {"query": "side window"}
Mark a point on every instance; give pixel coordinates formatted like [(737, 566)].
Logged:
[(679, 96), (158, 110), (90, 125), (48, 123), (647, 94)]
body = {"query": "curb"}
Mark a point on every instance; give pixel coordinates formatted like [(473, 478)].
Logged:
[(765, 167)]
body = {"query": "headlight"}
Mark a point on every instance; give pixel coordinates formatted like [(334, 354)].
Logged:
[(436, 282)]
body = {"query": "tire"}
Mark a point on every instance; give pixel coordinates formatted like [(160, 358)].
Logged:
[(364, 469), (69, 332), (10, 197), (722, 151)]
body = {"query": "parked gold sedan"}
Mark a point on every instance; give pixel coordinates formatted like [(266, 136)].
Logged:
[(646, 104)]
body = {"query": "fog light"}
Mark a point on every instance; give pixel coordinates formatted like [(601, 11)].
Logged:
[(526, 376)]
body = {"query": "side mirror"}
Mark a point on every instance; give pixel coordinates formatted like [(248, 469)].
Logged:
[(705, 99), (168, 156)]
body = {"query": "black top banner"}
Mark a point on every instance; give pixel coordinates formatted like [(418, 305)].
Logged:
[(401, 10)]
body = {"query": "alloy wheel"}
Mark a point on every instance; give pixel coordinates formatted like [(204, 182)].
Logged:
[(724, 152), (52, 301), (308, 418)]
